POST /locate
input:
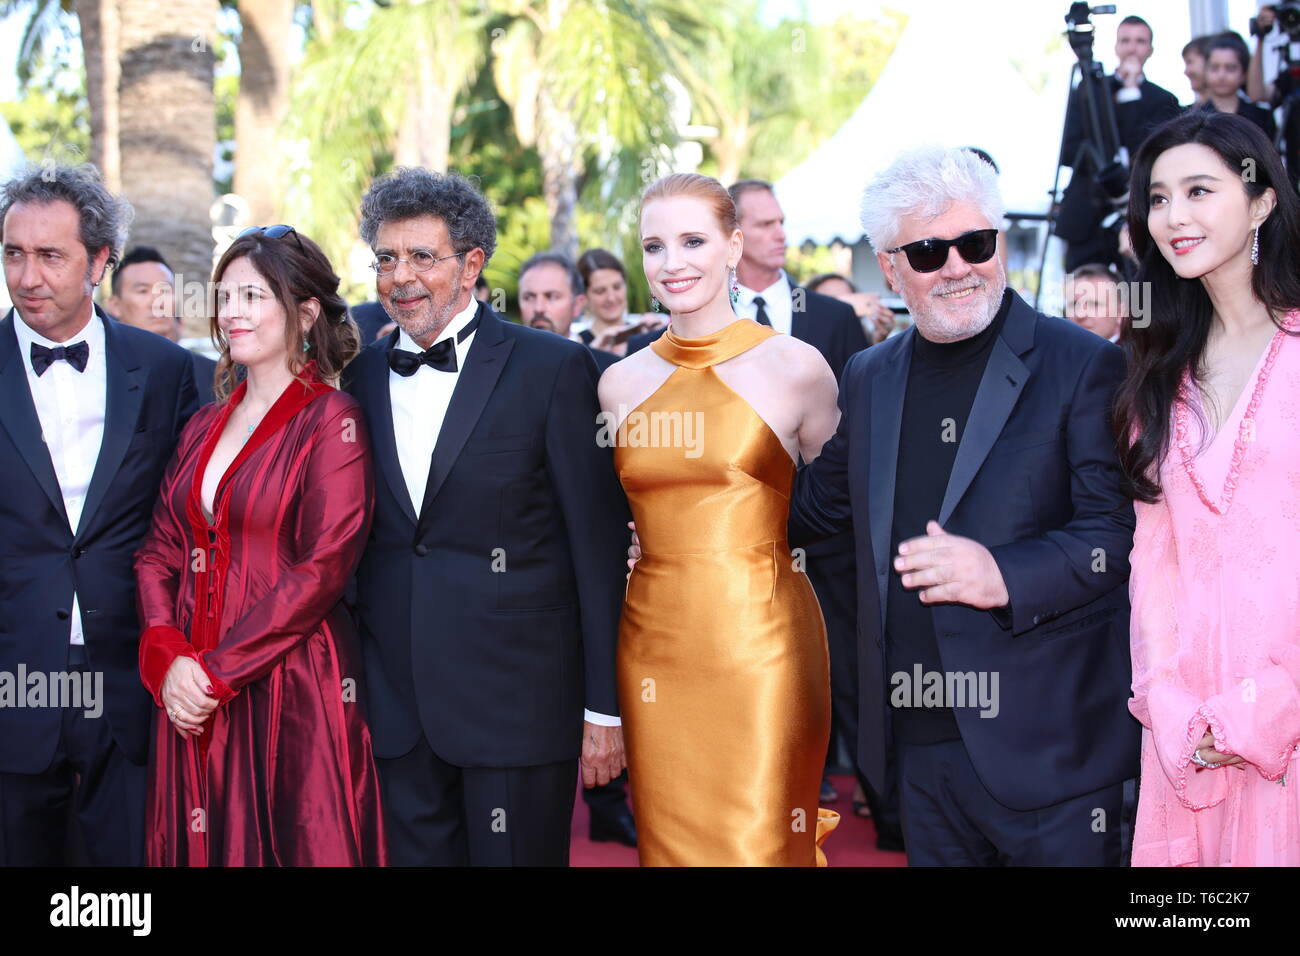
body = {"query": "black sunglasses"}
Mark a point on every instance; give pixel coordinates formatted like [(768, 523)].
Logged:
[(273, 232), (929, 255)]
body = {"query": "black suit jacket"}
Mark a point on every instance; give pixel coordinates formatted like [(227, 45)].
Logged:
[(1036, 480), (829, 325), (490, 619), (43, 562), (205, 374), (370, 317)]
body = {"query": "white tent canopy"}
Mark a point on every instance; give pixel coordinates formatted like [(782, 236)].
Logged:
[(949, 81)]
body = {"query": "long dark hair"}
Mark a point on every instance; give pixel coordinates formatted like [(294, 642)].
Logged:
[(1179, 310), (296, 271)]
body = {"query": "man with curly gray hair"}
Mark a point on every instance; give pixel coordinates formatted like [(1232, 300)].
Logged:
[(975, 465), (490, 591), (90, 411)]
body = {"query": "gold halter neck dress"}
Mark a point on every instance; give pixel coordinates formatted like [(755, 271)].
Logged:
[(723, 676)]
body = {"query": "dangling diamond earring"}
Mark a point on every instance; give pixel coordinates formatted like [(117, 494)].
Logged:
[(1254, 249), (654, 303), (735, 289)]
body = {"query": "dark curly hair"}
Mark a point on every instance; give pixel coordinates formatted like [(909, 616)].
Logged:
[(412, 191)]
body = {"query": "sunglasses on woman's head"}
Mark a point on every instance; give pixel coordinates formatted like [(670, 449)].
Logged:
[(929, 255), (273, 232)]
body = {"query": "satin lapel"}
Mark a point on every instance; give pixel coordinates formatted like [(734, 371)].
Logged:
[(19, 418), (483, 366), (1000, 387), (888, 389), (124, 395), (380, 402)]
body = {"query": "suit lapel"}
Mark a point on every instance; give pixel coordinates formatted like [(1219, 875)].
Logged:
[(19, 418), (380, 402), (888, 390), (483, 366), (123, 397), (1000, 387)]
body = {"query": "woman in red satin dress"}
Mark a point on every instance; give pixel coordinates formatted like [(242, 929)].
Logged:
[(263, 756)]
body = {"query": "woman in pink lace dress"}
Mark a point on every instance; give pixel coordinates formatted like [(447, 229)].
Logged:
[(1209, 426)]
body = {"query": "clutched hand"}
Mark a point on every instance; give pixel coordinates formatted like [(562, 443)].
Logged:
[(634, 550), (187, 696)]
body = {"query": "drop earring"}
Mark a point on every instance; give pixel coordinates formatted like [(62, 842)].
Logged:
[(654, 303), (735, 289), (1254, 249)]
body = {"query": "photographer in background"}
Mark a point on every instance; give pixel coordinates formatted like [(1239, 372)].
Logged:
[(1272, 77), (1140, 106)]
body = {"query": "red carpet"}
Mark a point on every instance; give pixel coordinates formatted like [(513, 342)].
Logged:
[(852, 844)]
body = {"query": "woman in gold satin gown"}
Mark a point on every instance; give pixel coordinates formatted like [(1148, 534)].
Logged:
[(724, 684)]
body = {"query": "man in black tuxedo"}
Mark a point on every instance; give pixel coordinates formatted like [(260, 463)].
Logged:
[(975, 465), (490, 591), (143, 295), (551, 296), (90, 411), (1139, 107)]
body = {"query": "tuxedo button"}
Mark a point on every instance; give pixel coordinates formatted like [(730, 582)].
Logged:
[(78, 552), (421, 549), (1037, 618), (62, 614)]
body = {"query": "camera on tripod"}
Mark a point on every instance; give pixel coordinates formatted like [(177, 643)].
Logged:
[(1288, 21)]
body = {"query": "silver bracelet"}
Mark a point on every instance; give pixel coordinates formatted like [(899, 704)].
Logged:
[(1201, 761)]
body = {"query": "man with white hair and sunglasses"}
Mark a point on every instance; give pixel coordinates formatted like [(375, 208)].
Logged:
[(974, 462)]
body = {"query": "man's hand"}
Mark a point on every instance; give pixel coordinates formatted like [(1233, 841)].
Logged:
[(602, 754), (1129, 71), (951, 570), (634, 549)]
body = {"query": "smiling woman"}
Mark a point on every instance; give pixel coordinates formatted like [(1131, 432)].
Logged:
[(720, 627), (1206, 426)]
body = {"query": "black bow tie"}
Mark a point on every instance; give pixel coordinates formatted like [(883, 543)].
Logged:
[(440, 355), (75, 355)]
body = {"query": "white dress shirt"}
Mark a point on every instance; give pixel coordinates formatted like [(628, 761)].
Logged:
[(777, 303), (70, 406), (419, 404)]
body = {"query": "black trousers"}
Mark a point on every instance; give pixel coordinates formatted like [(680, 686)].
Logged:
[(438, 814), (950, 819), (86, 808)]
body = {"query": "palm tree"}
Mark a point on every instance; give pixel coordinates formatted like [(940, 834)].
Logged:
[(168, 132), (375, 95), (582, 77), (99, 26), (100, 45), (265, 49)]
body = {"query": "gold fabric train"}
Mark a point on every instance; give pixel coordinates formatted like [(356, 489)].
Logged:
[(723, 676)]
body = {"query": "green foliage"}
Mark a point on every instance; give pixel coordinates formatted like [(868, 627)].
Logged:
[(52, 118)]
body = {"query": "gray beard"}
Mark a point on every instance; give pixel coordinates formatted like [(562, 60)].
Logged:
[(937, 327)]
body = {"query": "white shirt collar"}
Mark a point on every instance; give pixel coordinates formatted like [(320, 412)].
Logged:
[(454, 327), (778, 289), (92, 335)]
